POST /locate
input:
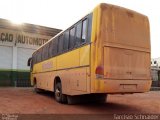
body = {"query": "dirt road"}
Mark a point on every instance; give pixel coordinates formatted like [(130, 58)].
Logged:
[(25, 101)]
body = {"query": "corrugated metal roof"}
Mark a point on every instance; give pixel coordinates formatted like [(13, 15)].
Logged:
[(31, 28)]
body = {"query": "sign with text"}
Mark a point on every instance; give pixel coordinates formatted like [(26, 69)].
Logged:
[(20, 37)]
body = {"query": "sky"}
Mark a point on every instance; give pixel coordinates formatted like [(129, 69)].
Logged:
[(63, 13)]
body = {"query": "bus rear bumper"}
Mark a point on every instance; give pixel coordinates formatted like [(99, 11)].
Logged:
[(121, 86)]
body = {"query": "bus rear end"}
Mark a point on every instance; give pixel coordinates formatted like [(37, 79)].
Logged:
[(121, 54)]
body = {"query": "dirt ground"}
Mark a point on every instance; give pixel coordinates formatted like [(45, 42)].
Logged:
[(25, 101)]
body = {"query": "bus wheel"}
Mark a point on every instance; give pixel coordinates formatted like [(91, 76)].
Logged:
[(61, 98), (100, 98)]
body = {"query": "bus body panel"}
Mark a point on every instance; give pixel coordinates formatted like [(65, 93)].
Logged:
[(96, 56), (126, 64), (75, 81), (68, 60), (118, 86), (72, 68), (125, 28), (120, 49)]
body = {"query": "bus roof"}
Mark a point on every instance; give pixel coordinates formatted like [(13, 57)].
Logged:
[(101, 5)]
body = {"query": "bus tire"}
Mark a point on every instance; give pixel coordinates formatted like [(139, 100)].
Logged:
[(71, 100), (76, 99), (61, 98), (101, 98)]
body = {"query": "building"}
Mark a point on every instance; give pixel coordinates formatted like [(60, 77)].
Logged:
[(155, 62), (155, 72), (17, 43)]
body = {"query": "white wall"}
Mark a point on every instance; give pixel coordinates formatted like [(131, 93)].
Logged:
[(15, 51)]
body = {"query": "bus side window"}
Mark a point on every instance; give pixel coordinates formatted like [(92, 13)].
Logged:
[(71, 38), (78, 33), (34, 59), (60, 43), (50, 49), (39, 55), (89, 28), (66, 41), (54, 47), (84, 31), (31, 68), (43, 53), (46, 51)]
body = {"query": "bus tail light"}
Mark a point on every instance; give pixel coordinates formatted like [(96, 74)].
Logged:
[(99, 72)]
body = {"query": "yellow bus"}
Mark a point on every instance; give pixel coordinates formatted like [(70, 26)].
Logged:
[(106, 52)]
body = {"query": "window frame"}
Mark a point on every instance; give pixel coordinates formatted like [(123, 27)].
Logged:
[(71, 40), (86, 33)]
